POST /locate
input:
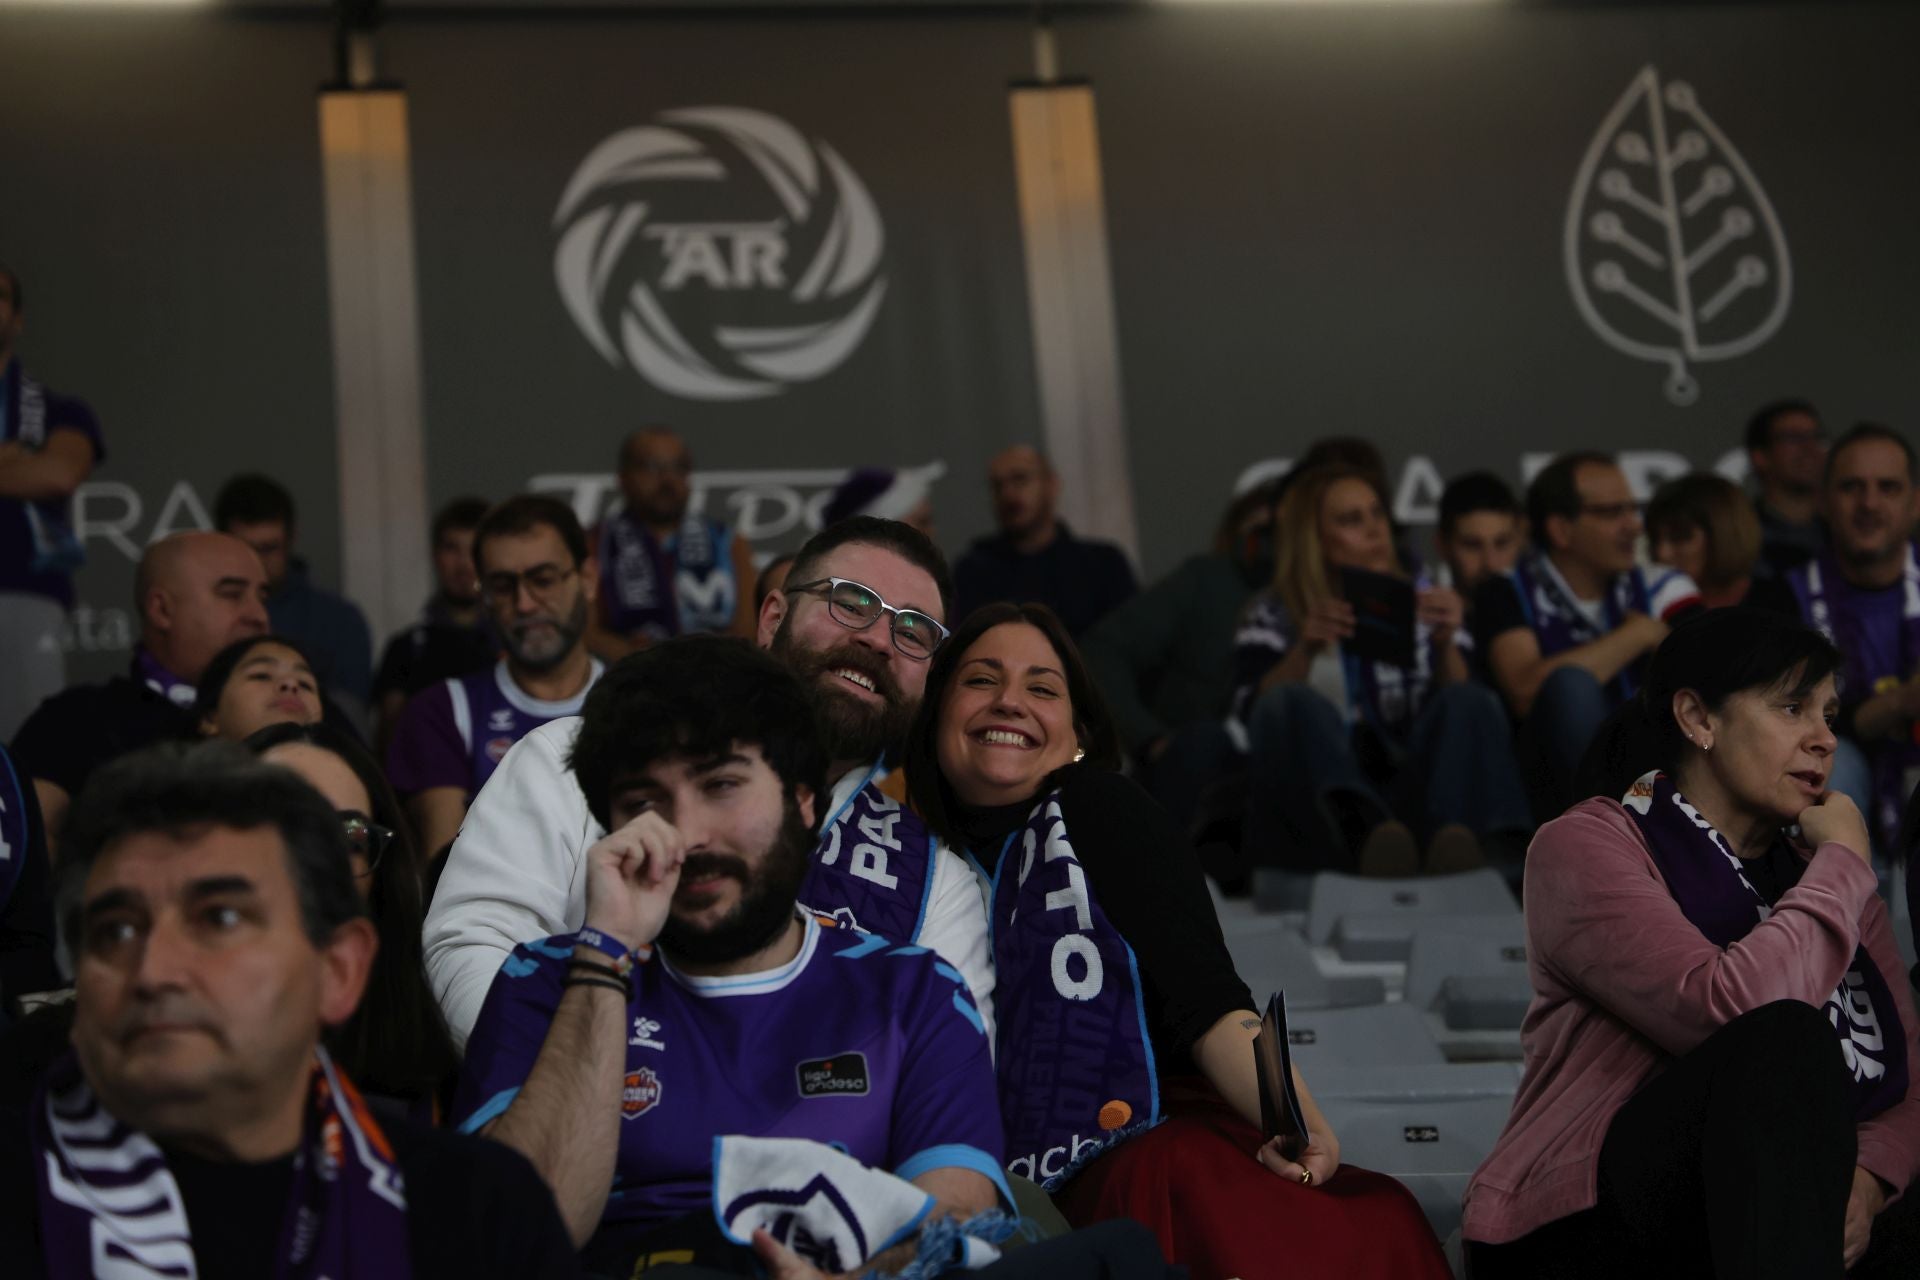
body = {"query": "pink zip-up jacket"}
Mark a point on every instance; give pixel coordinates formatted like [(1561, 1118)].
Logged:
[(1623, 983)]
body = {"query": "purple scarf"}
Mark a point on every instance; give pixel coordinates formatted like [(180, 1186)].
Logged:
[(110, 1206), (1560, 624), (49, 523), (148, 671), (1826, 603), (873, 867), (1074, 1061), (664, 589), (1711, 886)]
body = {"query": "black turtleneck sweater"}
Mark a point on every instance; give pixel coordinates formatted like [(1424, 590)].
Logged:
[(1143, 873)]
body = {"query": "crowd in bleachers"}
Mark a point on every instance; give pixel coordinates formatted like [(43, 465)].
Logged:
[(642, 907)]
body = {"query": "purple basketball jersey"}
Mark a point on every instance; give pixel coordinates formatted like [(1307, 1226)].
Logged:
[(456, 733), (875, 1048)]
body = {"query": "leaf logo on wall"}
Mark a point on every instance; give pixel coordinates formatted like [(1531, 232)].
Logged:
[(1673, 251)]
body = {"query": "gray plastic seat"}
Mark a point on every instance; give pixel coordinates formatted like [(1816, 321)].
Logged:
[(1431, 1145), (1336, 897), (1471, 970), (1273, 958), (1420, 1082), (1331, 1040)]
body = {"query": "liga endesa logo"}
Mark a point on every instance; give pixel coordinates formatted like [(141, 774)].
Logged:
[(720, 253)]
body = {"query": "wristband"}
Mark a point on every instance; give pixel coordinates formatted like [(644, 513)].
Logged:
[(608, 983), (607, 971), (621, 956)]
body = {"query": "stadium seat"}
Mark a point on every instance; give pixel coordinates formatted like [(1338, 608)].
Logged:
[(1274, 957), (1471, 970), (1335, 897), (1432, 1145), (1374, 1035)]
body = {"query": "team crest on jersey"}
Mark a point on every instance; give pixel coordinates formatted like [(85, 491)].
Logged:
[(640, 1094), (645, 1034), (497, 748)]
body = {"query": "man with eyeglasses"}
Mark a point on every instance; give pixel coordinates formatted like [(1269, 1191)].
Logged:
[(664, 571), (538, 584), (1787, 451), (1566, 630), (864, 608)]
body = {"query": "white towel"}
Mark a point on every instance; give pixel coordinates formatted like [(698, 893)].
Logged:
[(833, 1211)]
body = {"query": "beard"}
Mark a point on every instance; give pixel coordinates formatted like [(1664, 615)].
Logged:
[(766, 899), (537, 652), (850, 728)]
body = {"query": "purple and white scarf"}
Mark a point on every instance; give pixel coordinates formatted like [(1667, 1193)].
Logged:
[(1559, 623), (109, 1206), (1074, 1061), (873, 867), (50, 523), (666, 589), (1709, 882), (148, 670)]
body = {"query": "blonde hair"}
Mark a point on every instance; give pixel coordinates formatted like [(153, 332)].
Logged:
[(1715, 506), (1300, 576)]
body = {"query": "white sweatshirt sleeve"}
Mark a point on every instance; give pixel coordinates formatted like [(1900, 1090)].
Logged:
[(955, 927), (514, 873)]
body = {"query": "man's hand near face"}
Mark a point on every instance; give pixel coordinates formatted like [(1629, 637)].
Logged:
[(631, 878), (566, 1118)]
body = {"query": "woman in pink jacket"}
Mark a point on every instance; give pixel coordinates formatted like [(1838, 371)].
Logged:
[(1722, 1074)]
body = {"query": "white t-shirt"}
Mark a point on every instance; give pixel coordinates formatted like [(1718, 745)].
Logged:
[(517, 872)]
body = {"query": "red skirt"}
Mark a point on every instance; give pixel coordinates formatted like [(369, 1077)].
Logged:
[(1194, 1181)]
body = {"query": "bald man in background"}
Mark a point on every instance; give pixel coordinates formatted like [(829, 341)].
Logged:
[(665, 571), (196, 593), (1035, 557)]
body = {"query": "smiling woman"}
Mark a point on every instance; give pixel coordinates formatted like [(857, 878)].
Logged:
[(1715, 984), (1101, 922)]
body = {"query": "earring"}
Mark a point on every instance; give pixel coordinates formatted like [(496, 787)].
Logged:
[(1079, 754)]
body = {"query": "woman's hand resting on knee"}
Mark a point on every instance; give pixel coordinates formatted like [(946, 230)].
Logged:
[(1321, 1158)]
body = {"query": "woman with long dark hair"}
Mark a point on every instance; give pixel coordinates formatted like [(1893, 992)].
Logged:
[(1124, 1043), (396, 1046), (1722, 1070), (256, 682)]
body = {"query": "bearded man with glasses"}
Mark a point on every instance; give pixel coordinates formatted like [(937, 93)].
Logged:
[(865, 609), (538, 584)]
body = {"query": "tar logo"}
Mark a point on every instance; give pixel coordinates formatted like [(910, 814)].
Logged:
[(645, 1033), (1422, 1133), (843, 1075)]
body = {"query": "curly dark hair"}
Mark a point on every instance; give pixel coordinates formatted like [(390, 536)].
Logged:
[(695, 697)]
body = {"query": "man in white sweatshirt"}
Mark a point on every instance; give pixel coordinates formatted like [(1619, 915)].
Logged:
[(863, 611)]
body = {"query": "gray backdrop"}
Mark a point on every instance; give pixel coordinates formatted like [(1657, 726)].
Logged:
[(1321, 221)]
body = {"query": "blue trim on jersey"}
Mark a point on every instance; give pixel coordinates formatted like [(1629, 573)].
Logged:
[(489, 1110), (1140, 1002), (541, 948), (868, 944), (957, 1155), (967, 1011), (908, 951)]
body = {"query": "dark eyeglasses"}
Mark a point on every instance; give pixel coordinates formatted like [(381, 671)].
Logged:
[(366, 837), (858, 607), (541, 580)]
